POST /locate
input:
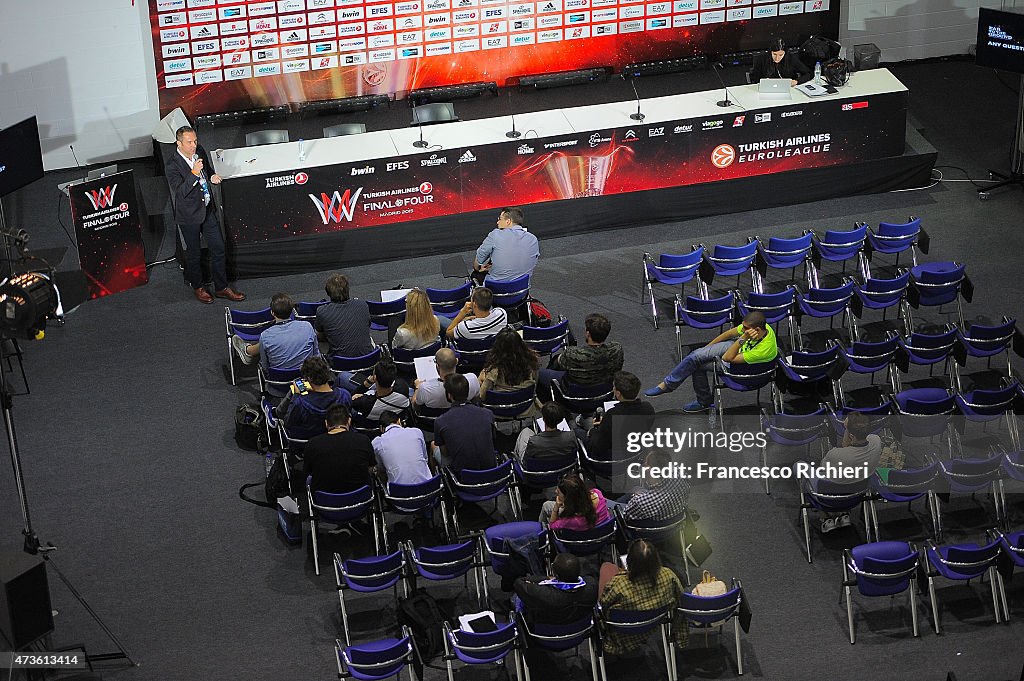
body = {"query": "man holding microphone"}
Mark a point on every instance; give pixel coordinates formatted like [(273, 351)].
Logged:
[(196, 215)]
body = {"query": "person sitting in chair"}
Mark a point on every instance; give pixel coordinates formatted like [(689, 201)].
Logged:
[(563, 597), (778, 63), (304, 407)]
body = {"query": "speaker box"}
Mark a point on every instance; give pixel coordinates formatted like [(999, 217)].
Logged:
[(25, 612), (866, 56)]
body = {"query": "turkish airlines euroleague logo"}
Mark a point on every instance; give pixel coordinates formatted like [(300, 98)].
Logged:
[(723, 155), (102, 198)]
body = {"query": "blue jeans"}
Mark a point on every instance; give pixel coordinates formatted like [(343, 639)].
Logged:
[(696, 364)]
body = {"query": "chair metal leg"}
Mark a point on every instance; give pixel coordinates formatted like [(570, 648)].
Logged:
[(520, 665), (316, 552), (739, 649), (593, 661), (849, 615), (600, 660), (867, 520), (231, 361), (672, 654), (451, 676), (665, 650), (807, 532), (1002, 593), (764, 463), (874, 518), (344, 617), (935, 604), (992, 579), (913, 606)]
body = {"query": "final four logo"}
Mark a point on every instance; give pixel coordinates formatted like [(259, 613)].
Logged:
[(101, 198)]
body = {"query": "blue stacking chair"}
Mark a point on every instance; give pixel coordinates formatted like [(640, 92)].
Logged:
[(1013, 465), (926, 349), (581, 399), (809, 370), (586, 542), (825, 303), (275, 382), (341, 508), (784, 254), (638, 622), (306, 311), (925, 412), (447, 302), (670, 270), (418, 500), (472, 352), (828, 496), (557, 638), (907, 486), (656, 531), (512, 294), (702, 313), (507, 405), (473, 486), (731, 261), (881, 294), (883, 568), (741, 378), (355, 365), (493, 543), (863, 357), (982, 406), (970, 476), (708, 612), (448, 562), (986, 341), (547, 340), (839, 246), (486, 648), (935, 284), (606, 467), (381, 314), (540, 473), (368, 575), (246, 325), (962, 563), (893, 238), (1012, 546), (376, 660), (405, 359), (777, 307), (793, 430), (878, 416)]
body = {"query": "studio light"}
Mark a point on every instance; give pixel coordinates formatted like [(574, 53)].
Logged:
[(26, 300)]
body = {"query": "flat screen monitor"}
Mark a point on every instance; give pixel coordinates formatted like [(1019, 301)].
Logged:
[(21, 159), (1001, 39)]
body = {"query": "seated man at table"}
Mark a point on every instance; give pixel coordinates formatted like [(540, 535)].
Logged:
[(778, 63), (508, 252)]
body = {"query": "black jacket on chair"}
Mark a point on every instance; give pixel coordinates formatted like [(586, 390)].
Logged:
[(186, 192), (790, 67)]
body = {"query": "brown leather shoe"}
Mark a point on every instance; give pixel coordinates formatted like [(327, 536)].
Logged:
[(203, 296), (230, 294)]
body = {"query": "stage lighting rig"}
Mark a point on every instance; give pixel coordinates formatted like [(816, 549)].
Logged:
[(26, 301)]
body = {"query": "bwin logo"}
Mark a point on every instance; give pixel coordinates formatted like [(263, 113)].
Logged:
[(103, 198), (336, 207)]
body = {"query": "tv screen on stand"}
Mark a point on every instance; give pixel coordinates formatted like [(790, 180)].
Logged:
[(1000, 40), (21, 159)]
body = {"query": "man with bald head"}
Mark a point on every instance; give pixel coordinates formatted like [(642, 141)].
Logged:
[(430, 392)]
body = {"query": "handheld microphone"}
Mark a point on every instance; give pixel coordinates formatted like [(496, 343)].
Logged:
[(513, 133), (420, 143), (722, 102), (638, 116)]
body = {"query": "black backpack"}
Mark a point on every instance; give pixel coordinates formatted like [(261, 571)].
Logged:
[(422, 615), (250, 428)]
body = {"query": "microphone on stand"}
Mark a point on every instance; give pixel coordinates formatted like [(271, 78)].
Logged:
[(420, 143), (77, 162), (513, 133), (722, 102), (638, 116)]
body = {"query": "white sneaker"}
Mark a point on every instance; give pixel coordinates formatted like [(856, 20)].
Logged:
[(828, 524), (843, 520), (240, 345)]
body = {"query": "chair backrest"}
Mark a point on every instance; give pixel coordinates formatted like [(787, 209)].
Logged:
[(983, 340), (908, 481), (785, 253), (884, 568), (556, 637), (797, 429), (381, 313), (838, 245), (836, 496), (277, 378), (306, 311), (732, 260), (472, 352), (405, 359), (507, 404), (703, 313), (586, 542), (373, 573), (973, 471), (882, 293), (775, 306), (581, 399), (811, 366), (448, 301), (743, 377), (447, 561), (342, 129), (342, 506), (989, 402), (435, 112), (478, 480), (971, 560), (380, 660), (356, 364), (925, 401), (676, 268), (484, 647), (869, 356), (946, 273), (248, 324), (710, 610), (413, 498), (255, 139), (828, 300), (634, 621), (509, 293), (546, 340)]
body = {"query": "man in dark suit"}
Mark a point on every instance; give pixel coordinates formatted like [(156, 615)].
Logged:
[(778, 63), (196, 215)]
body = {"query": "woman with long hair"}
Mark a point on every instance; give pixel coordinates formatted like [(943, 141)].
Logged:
[(421, 327), (510, 365), (576, 506)]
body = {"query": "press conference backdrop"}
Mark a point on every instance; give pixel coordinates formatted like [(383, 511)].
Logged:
[(218, 55)]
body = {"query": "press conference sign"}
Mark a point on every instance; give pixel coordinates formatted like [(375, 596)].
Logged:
[(106, 217)]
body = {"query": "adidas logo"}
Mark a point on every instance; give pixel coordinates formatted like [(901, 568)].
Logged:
[(203, 32), (468, 157)]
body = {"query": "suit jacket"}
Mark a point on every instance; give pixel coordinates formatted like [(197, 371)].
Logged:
[(186, 192), (790, 67)]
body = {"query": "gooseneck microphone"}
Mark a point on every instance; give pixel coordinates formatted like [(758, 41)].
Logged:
[(420, 143), (638, 116), (77, 162), (722, 102), (513, 133)]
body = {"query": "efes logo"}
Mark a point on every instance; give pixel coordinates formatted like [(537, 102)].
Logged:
[(722, 156), (336, 207), (101, 198)]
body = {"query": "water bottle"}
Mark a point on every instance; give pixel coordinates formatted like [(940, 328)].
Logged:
[(268, 463), (817, 73), (302, 149)]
